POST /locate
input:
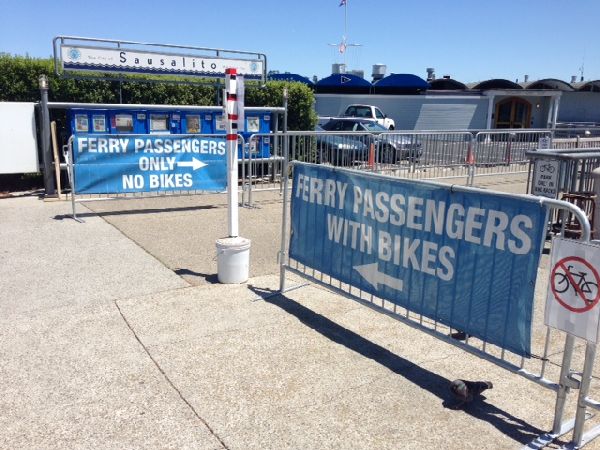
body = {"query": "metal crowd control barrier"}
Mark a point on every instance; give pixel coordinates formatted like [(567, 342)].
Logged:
[(575, 167), (424, 155), (536, 369), (108, 195), (261, 173), (504, 152)]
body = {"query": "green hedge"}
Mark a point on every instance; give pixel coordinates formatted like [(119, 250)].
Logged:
[(19, 83)]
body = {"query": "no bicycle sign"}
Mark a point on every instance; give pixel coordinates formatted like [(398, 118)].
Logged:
[(573, 294)]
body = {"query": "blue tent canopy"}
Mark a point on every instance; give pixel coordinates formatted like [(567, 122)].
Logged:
[(400, 83), (343, 83), (291, 77)]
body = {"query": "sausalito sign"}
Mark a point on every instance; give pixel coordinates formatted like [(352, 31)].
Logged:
[(104, 59)]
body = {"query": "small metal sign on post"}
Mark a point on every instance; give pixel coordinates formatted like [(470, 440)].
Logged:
[(545, 178), (545, 143), (573, 294)]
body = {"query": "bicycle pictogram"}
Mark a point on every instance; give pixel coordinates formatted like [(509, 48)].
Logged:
[(574, 283), (547, 168), (584, 288)]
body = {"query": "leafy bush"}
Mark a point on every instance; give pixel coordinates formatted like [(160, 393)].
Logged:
[(19, 83)]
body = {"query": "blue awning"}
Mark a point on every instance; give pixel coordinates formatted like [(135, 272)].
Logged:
[(400, 83), (343, 83), (293, 77)]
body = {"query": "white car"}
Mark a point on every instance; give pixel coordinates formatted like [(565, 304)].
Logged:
[(370, 112)]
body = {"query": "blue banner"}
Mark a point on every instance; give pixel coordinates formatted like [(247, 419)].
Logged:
[(106, 164), (466, 259)]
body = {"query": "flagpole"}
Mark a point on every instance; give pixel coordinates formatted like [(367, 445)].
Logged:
[(345, 27)]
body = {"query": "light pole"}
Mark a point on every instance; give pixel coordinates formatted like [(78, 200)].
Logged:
[(49, 186)]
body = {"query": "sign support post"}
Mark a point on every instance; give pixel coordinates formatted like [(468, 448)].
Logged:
[(233, 252), (231, 107)]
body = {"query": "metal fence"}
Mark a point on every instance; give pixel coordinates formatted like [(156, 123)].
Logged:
[(557, 377), (456, 156), (424, 155), (575, 169), (504, 152)]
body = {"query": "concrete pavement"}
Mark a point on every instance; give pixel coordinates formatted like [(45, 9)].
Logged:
[(114, 335)]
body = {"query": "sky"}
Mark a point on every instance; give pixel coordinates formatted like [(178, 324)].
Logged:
[(468, 40)]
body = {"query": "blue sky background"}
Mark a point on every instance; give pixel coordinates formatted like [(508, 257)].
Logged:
[(467, 39)]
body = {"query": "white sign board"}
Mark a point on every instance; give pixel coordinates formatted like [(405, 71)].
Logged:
[(573, 294), (545, 178), (544, 143), (101, 59), (18, 142)]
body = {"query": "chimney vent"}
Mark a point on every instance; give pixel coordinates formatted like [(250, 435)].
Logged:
[(430, 74), (378, 71)]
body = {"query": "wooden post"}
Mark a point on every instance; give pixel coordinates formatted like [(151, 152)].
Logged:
[(56, 159)]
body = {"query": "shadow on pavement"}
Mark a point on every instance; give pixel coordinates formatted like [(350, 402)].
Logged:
[(506, 423), (125, 212), (211, 278)]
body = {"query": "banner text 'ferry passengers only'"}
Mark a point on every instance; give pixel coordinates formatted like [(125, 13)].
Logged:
[(466, 259), (107, 164)]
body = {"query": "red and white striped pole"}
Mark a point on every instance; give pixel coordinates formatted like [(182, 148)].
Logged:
[(231, 109)]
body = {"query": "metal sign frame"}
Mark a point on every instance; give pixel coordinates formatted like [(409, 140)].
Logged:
[(154, 49), (476, 347)]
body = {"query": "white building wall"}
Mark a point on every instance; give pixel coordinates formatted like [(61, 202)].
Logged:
[(18, 139), (415, 112), (579, 107)]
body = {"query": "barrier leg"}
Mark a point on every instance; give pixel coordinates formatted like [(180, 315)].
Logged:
[(586, 378), (282, 252), (71, 173), (563, 390)]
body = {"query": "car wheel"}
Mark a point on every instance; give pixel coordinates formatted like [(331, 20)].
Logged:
[(391, 128)]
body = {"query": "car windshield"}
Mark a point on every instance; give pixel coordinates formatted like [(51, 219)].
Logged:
[(373, 126), (359, 111)]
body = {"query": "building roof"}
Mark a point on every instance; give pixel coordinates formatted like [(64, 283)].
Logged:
[(400, 83), (496, 83), (446, 84), (548, 83), (589, 86), (343, 83)]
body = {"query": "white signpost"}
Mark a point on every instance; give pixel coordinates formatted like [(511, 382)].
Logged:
[(573, 294), (71, 55), (545, 178)]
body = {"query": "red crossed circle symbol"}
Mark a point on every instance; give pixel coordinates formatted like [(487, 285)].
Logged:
[(582, 288)]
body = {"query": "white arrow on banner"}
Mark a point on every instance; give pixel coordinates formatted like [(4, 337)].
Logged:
[(372, 275), (194, 164)]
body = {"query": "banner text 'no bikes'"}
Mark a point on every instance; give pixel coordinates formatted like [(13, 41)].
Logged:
[(145, 163)]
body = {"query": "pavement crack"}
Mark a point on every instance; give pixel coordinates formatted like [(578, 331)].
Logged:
[(169, 381)]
